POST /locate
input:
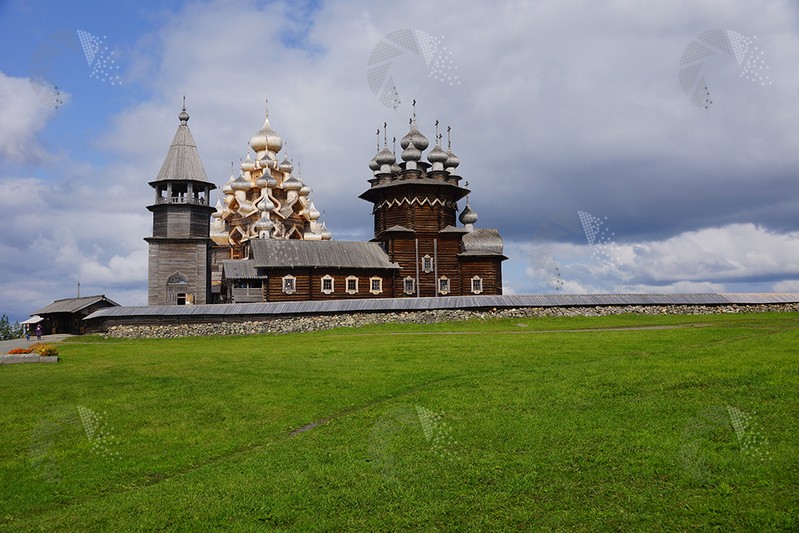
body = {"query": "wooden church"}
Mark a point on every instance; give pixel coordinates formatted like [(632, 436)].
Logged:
[(263, 242)]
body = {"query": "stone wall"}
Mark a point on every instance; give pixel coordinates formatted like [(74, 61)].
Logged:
[(302, 323)]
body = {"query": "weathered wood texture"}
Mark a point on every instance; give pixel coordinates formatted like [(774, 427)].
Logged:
[(190, 258)]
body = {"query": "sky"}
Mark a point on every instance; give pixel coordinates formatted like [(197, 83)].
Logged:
[(620, 146)]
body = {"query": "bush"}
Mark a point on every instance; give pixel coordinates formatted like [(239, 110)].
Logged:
[(44, 349), (17, 351), (8, 330)]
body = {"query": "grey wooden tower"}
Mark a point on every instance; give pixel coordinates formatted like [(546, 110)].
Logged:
[(179, 269)]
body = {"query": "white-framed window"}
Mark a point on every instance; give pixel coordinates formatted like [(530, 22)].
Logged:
[(427, 264), (327, 284), (477, 285), (376, 285), (443, 285), (409, 285), (289, 284), (352, 284)]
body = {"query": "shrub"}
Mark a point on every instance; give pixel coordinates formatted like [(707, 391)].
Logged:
[(16, 351), (44, 349)]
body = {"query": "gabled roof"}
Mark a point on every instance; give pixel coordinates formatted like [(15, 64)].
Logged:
[(73, 305), (399, 229), (240, 269), (278, 253), (454, 229), (182, 161)]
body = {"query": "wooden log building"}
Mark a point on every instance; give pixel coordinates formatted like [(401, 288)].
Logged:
[(265, 243)]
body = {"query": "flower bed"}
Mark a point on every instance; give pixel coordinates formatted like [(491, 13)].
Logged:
[(17, 351), (42, 349)]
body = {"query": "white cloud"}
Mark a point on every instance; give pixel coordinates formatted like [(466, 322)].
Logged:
[(696, 261), (22, 117)]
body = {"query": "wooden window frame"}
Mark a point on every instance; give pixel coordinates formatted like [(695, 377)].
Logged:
[(328, 277), (379, 288), (293, 285), (443, 285), (405, 288), (347, 284), (427, 264), (477, 280)]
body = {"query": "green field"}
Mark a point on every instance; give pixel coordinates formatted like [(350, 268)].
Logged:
[(620, 423)]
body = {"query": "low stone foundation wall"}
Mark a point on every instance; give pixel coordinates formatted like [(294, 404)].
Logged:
[(304, 323), (27, 358)]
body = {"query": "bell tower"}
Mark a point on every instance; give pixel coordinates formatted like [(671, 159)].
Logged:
[(179, 258)]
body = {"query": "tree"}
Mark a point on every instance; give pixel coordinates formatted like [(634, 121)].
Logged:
[(8, 330)]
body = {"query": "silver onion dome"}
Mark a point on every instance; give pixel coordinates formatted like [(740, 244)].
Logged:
[(266, 138), (437, 155), (248, 165), (468, 215), (292, 184), (385, 157), (241, 183), (286, 165), (415, 137)]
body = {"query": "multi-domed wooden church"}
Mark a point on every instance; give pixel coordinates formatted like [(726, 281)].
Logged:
[(264, 241)]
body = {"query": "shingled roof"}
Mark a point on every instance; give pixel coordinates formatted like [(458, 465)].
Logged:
[(482, 241), (182, 161), (73, 305), (276, 253), (240, 269)]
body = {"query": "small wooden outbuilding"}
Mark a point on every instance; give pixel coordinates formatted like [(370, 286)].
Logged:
[(66, 316)]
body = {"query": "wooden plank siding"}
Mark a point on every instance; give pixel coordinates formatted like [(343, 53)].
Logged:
[(308, 284), (189, 258), (487, 268)]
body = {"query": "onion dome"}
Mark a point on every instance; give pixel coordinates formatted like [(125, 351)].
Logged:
[(266, 138), (415, 137), (437, 155), (266, 205), (248, 165), (218, 212), (292, 184), (411, 153), (385, 157), (374, 166), (267, 161), (183, 116), (467, 216), (286, 165), (313, 213), (452, 161), (227, 188), (263, 182), (263, 223), (395, 169), (304, 190), (241, 183), (326, 235)]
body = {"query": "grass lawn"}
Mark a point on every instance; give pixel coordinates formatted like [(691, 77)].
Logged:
[(621, 423)]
